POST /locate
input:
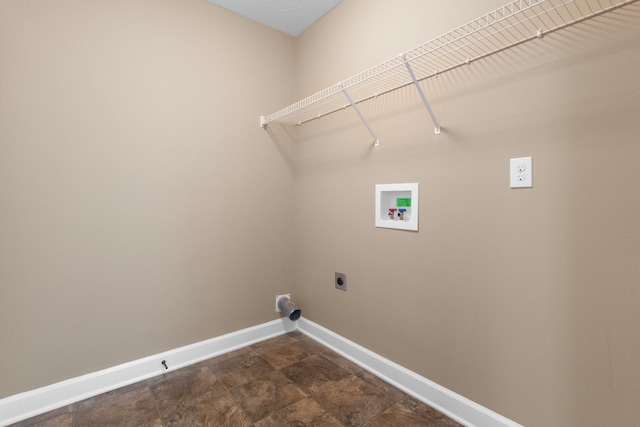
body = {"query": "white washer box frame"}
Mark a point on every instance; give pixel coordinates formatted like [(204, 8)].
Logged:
[(386, 195)]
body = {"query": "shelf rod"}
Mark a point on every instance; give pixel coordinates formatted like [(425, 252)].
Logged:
[(376, 142), (422, 95)]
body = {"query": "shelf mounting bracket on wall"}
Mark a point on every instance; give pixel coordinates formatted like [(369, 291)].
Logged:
[(422, 95), (376, 142)]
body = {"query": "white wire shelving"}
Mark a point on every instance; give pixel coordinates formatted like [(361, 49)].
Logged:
[(510, 25)]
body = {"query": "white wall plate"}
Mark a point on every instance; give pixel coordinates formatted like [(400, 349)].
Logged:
[(397, 206)]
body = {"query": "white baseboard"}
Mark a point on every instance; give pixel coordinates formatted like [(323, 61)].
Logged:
[(35, 402), (457, 407)]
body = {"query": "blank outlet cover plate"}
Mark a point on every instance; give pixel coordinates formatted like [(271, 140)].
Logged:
[(341, 281), (521, 172)]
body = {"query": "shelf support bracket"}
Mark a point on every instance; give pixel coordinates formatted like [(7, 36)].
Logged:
[(376, 142), (422, 95)]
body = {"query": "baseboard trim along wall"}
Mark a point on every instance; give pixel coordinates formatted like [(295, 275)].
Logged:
[(457, 407), (35, 402)]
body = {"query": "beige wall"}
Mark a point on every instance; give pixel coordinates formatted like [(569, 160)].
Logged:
[(141, 206), (525, 301)]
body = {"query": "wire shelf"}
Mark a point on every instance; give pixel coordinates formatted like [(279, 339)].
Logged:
[(512, 24)]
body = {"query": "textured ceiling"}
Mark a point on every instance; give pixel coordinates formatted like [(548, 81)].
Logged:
[(289, 16)]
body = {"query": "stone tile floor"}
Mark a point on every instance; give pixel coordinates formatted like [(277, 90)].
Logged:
[(286, 381)]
